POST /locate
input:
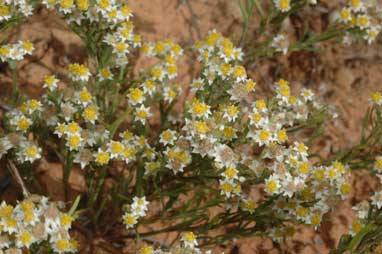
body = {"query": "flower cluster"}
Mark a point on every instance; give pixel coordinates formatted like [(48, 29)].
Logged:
[(362, 18), (286, 5), (227, 130), (110, 10), (376, 98), (20, 122), (189, 245), (307, 190), (366, 210), (241, 140), (109, 15), (34, 222), (244, 138), (16, 51), (282, 5), (14, 8), (280, 43), (135, 211), (363, 208), (157, 85)]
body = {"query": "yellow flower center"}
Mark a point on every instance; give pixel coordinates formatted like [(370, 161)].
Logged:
[(202, 127), (239, 72), (345, 188), (25, 238), (4, 51), (230, 172), (23, 124), (11, 223), (78, 69), (378, 163), (302, 211), (49, 80), (260, 104), (31, 151), (159, 47), (271, 186), (319, 174), (282, 135), (356, 226), (226, 187), (152, 166), (363, 21), (63, 244), (6, 211), (27, 45), (229, 132), (73, 127), (225, 68), (250, 85), (105, 73), (264, 135), (90, 113), (232, 110), (250, 205), (66, 4), (120, 47), (189, 237), (284, 4), (199, 108), (376, 97), (355, 3), (34, 104), (117, 147), (171, 94), (27, 206), (304, 168), (74, 141), (85, 96), (172, 69), (103, 158), (167, 135), (256, 117), (125, 10), (146, 250), (129, 152), (4, 10), (212, 38), (104, 4), (130, 220), (29, 216), (83, 5), (156, 72), (66, 220), (345, 14), (136, 94), (285, 90)]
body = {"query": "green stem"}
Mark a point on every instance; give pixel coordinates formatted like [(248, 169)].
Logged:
[(114, 126), (139, 189), (75, 205), (15, 89), (100, 182), (66, 173)]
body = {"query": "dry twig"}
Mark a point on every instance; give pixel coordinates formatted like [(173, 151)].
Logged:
[(15, 173)]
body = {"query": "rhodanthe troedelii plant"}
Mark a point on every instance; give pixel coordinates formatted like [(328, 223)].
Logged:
[(221, 148)]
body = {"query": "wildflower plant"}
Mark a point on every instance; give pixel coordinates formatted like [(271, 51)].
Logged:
[(364, 235), (172, 161), (36, 224), (355, 20)]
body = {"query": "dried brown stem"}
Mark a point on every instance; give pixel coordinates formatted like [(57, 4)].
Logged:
[(14, 171)]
